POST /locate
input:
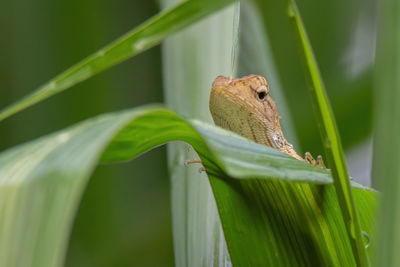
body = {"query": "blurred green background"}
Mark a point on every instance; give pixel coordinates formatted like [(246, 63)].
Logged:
[(124, 218)]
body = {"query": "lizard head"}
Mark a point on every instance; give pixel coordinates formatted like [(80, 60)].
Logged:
[(245, 106)]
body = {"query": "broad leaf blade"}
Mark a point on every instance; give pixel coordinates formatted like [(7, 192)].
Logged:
[(264, 220)]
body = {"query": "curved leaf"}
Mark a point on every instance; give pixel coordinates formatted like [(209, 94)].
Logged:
[(265, 220)]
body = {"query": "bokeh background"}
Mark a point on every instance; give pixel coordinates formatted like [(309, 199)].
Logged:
[(124, 218)]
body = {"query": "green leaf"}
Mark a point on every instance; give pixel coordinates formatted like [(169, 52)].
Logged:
[(191, 61), (331, 139), (145, 36), (265, 220), (386, 167)]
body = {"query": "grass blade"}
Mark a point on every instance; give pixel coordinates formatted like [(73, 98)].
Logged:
[(331, 140), (145, 36), (386, 167)]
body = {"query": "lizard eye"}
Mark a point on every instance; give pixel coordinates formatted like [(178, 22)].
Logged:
[(261, 95)]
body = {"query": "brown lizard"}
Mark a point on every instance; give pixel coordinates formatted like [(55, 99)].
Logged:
[(245, 106)]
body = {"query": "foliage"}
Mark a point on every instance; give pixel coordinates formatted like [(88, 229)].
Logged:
[(254, 201), (287, 210)]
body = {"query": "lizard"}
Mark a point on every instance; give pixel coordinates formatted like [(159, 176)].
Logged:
[(244, 106)]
